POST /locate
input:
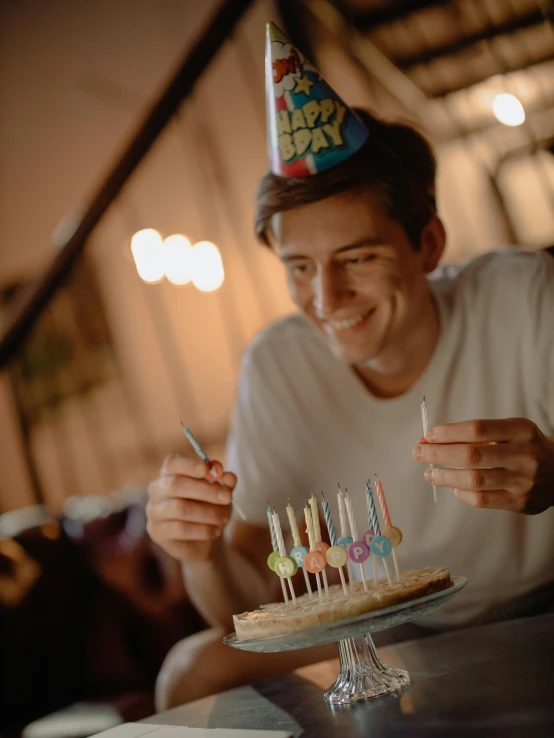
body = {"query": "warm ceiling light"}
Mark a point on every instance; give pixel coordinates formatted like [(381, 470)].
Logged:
[(208, 273), (146, 247), (178, 259), (508, 110)]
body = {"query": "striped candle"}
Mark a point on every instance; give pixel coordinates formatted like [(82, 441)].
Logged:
[(274, 543), (373, 520), (382, 502), (329, 521)]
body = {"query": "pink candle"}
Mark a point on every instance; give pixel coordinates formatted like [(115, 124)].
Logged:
[(382, 502)]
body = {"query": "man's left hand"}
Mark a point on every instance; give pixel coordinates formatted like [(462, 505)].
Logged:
[(501, 464)]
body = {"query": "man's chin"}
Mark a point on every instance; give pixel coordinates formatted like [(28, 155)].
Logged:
[(359, 356)]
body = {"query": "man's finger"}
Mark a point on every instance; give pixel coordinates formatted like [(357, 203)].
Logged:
[(179, 530), (481, 431), (498, 499), (468, 455), (190, 511), (186, 466), (476, 480), (191, 489)]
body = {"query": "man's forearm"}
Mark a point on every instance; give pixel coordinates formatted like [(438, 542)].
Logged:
[(226, 584)]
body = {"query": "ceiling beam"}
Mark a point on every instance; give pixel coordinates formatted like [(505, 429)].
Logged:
[(368, 20), (440, 92), (517, 23)]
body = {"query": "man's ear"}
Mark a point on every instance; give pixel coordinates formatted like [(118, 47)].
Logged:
[(432, 243)]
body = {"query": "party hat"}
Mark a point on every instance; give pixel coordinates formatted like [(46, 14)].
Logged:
[(310, 128)]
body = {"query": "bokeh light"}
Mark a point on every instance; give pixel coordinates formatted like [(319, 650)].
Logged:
[(146, 247), (508, 109), (208, 273), (178, 257)]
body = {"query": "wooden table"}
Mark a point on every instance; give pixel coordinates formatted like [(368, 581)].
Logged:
[(495, 680)]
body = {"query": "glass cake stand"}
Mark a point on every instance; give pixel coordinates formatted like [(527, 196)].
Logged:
[(362, 673)]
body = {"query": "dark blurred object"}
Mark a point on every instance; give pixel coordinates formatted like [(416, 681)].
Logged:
[(89, 607)]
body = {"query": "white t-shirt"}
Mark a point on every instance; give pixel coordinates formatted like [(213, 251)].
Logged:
[(303, 421)]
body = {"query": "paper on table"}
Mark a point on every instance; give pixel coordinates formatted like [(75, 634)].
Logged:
[(137, 730)]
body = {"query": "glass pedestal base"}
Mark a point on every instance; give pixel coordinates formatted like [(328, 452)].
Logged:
[(362, 673)]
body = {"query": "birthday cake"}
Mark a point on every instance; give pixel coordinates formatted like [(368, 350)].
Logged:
[(279, 618)]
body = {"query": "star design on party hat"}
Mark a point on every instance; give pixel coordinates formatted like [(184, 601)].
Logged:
[(303, 84), (310, 128)]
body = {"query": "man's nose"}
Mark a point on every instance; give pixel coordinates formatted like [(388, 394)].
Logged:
[(328, 292)]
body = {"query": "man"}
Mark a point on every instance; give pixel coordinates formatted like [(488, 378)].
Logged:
[(333, 394)]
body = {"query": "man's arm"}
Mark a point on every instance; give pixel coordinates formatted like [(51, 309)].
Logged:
[(236, 577)]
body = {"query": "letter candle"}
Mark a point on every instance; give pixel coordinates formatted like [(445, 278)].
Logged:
[(373, 524), (378, 544), (297, 543), (386, 518), (425, 422), (332, 539), (282, 549), (354, 531), (344, 530), (317, 536), (275, 546), (382, 546), (310, 532)]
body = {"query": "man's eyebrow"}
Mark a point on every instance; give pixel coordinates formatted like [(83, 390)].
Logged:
[(370, 241)]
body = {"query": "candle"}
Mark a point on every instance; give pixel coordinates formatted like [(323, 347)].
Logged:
[(329, 521), (310, 532), (344, 531), (204, 456), (342, 514), (317, 535), (372, 512), (293, 525), (425, 422), (297, 542), (382, 502), (354, 531), (275, 547), (315, 519), (332, 538), (373, 523), (282, 549), (386, 518)]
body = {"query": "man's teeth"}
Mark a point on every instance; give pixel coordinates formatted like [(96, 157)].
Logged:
[(350, 323)]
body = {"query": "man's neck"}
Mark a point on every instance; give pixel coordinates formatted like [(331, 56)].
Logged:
[(398, 368)]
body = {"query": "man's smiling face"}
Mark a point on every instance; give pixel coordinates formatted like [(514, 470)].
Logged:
[(352, 271)]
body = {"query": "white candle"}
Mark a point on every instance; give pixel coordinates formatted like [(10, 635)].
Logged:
[(425, 422), (293, 525), (342, 514), (315, 519)]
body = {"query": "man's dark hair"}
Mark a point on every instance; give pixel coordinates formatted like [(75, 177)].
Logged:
[(397, 163)]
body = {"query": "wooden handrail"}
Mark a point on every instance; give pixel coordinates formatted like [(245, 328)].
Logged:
[(34, 298)]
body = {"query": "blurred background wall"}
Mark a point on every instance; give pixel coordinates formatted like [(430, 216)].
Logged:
[(92, 395)]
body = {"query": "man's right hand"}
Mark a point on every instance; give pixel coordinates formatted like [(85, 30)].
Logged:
[(189, 505)]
